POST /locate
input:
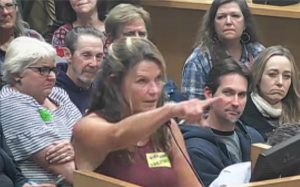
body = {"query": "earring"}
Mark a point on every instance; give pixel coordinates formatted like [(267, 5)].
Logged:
[(245, 38)]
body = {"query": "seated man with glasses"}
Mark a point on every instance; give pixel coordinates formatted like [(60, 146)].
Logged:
[(37, 118), (12, 26), (84, 53)]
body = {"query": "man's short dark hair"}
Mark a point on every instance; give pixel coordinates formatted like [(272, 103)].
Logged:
[(224, 67)]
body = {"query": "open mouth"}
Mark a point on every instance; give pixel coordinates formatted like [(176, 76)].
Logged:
[(151, 101)]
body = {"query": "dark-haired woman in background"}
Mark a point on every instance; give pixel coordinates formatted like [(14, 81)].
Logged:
[(227, 30)]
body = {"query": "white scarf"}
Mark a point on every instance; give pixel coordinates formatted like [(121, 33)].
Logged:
[(265, 108)]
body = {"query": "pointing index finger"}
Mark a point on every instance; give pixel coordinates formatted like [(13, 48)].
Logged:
[(207, 102)]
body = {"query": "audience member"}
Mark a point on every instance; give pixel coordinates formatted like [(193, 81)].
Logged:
[(275, 97), (128, 133), (84, 53), (222, 139), (37, 118), (12, 26), (227, 31), (127, 20), (65, 13), (87, 14)]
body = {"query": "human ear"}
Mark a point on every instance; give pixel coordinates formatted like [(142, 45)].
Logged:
[(67, 54), (207, 93), (17, 79), (112, 77), (109, 39)]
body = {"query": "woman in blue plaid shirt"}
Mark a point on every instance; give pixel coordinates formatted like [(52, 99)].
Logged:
[(227, 31)]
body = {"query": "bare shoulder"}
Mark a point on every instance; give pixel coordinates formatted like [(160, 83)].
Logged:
[(90, 141), (89, 125)]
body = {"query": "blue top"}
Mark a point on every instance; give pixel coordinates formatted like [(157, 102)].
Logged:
[(199, 63), (210, 155), (79, 96)]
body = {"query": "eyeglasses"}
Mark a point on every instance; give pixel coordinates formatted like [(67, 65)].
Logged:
[(45, 71), (8, 6)]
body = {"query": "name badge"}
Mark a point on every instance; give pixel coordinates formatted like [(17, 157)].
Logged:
[(158, 160)]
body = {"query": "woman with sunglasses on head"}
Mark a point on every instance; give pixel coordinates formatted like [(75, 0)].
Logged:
[(37, 118)]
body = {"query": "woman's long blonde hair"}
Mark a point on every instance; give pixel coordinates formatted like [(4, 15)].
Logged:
[(291, 103)]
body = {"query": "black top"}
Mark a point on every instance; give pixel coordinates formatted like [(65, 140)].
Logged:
[(79, 96), (209, 154), (252, 117)]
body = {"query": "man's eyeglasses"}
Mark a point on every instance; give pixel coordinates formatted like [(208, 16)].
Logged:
[(45, 71), (8, 6)]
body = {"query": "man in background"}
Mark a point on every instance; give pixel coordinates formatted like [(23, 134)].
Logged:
[(222, 140), (84, 54)]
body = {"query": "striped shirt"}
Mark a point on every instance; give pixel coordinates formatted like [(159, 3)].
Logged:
[(27, 133)]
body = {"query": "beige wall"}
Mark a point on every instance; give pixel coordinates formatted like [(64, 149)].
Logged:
[(174, 32)]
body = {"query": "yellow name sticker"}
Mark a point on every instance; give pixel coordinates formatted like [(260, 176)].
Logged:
[(158, 160)]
